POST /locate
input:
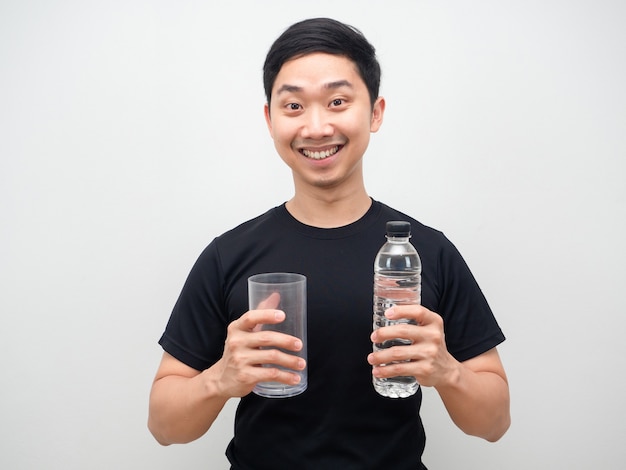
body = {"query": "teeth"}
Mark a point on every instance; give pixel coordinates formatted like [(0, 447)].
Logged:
[(320, 155)]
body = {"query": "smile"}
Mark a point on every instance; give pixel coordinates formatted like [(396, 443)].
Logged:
[(317, 155)]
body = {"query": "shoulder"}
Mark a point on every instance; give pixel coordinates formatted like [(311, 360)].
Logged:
[(252, 231), (255, 235), (434, 247), (266, 220), (418, 229)]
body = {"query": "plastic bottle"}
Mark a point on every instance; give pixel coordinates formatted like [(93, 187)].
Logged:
[(397, 281)]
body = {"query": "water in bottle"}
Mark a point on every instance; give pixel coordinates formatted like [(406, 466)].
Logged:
[(397, 281)]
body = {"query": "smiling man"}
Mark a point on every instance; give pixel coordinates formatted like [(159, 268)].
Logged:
[(321, 110), (321, 80)]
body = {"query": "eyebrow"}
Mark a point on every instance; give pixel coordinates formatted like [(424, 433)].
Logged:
[(338, 84), (329, 86)]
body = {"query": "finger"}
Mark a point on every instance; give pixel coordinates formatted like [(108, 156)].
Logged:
[(418, 313), (249, 320), (395, 354), (243, 379), (274, 339), (400, 369), (273, 374), (275, 366), (423, 342), (269, 303), (402, 330), (276, 357)]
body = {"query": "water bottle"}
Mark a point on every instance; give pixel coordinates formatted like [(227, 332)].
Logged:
[(397, 281)]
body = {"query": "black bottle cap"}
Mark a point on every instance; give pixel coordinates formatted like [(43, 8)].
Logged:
[(398, 228)]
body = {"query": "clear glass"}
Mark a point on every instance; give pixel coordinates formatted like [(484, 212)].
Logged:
[(292, 290)]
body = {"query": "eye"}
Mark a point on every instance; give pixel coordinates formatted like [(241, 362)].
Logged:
[(336, 102), (294, 106)]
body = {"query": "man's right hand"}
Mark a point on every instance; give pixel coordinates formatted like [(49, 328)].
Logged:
[(184, 402), (248, 347)]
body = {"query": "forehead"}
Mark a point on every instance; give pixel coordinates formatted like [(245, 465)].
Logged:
[(316, 70)]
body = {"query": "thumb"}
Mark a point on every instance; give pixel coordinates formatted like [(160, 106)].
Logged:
[(269, 303)]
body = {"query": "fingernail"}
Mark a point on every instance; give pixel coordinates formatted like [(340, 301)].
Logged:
[(390, 313), (297, 344), (279, 315)]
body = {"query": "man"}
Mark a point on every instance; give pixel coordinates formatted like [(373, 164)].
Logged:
[(321, 81)]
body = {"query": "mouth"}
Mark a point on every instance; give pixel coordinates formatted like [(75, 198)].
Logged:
[(320, 154)]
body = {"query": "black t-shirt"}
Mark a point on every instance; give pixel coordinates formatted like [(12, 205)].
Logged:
[(339, 421)]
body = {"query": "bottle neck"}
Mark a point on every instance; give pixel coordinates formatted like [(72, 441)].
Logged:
[(395, 239)]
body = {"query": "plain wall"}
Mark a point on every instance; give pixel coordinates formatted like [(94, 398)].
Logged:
[(132, 133)]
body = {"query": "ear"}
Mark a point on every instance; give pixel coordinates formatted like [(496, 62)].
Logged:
[(268, 119), (377, 114)]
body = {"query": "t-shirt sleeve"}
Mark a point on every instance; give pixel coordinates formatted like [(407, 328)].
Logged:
[(196, 330), (469, 324)]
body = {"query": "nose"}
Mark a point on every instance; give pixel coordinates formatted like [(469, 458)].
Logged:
[(317, 124)]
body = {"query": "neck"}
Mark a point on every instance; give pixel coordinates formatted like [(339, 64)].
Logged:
[(329, 210)]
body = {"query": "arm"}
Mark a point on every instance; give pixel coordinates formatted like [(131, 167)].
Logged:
[(477, 396), (184, 402), (475, 392)]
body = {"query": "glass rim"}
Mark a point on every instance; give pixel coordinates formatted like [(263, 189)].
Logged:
[(277, 278)]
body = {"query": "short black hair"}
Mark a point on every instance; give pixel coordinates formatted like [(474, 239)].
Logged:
[(323, 35)]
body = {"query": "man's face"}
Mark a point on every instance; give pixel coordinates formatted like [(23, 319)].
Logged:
[(321, 118)]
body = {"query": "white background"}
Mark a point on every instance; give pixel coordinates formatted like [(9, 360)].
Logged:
[(131, 134)]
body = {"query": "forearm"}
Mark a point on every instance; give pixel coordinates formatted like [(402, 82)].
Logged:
[(182, 409), (478, 402)]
